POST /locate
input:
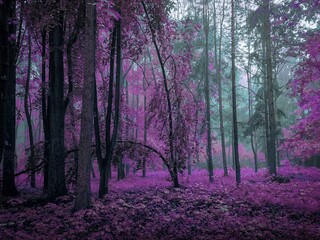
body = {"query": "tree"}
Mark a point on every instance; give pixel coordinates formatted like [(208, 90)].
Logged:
[(44, 109), (207, 89), (111, 134), (31, 160), (218, 62), (4, 61), (271, 142), (7, 95), (83, 192), (234, 95), (302, 141), (173, 160), (56, 165)]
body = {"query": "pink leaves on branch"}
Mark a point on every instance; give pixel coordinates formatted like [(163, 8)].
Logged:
[(304, 140)]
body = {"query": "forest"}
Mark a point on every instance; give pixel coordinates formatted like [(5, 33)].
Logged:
[(160, 119)]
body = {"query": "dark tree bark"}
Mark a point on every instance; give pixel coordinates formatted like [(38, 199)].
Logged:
[(4, 70), (207, 89), (144, 167), (8, 96), (44, 109), (72, 40), (219, 78), (31, 157), (69, 99), (250, 108), (270, 91), (103, 161), (117, 96), (234, 95), (111, 136), (56, 166), (83, 192)]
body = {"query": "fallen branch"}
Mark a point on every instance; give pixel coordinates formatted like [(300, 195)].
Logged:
[(148, 147)]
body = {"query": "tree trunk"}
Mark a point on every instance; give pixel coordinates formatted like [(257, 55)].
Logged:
[(117, 94), (4, 69), (83, 191), (103, 165), (44, 109), (144, 167), (174, 172), (31, 157), (56, 167), (207, 90), (234, 95), (219, 78), (8, 97), (252, 134), (270, 92), (100, 159)]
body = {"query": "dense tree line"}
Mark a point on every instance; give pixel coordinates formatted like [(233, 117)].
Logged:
[(132, 84)]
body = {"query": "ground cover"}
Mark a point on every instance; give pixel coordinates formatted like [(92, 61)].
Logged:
[(262, 207)]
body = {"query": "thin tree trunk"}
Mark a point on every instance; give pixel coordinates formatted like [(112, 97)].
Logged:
[(31, 158), (252, 134), (117, 96), (207, 90), (234, 95), (97, 136), (121, 172), (44, 110), (144, 167), (105, 162), (223, 145), (174, 172), (266, 112)]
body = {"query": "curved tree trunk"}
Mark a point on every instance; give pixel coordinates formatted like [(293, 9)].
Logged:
[(174, 172), (31, 158)]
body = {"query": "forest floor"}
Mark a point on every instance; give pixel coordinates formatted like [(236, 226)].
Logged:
[(262, 207)]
